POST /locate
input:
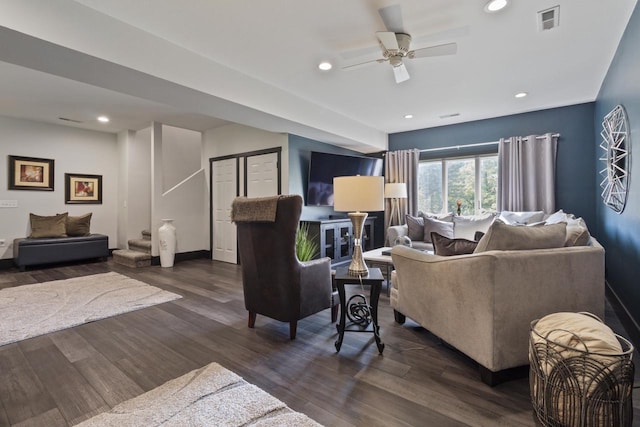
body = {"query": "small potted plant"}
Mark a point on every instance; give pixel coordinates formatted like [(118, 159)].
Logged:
[(306, 246)]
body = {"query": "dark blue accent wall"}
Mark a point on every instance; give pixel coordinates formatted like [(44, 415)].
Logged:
[(575, 168), (620, 233), (300, 149)]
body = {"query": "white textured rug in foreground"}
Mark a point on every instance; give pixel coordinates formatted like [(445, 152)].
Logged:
[(31, 310), (209, 396)]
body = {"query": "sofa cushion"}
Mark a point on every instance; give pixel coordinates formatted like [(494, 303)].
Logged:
[(441, 216), (48, 226), (465, 227), (445, 246), (415, 227), (504, 237), (577, 233), (521, 218), (444, 228), (556, 217), (78, 225)]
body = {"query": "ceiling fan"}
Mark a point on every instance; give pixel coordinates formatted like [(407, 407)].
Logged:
[(396, 45)]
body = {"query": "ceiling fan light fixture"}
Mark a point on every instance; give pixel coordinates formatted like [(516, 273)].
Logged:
[(495, 5), (325, 66), (395, 61)]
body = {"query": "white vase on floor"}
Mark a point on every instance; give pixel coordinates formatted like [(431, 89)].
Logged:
[(167, 242)]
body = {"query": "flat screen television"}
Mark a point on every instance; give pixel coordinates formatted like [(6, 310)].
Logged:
[(323, 167)]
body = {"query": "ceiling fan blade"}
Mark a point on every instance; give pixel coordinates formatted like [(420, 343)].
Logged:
[(388, 40), (400, 73), (392, 18), (362, 64), (440, 50)]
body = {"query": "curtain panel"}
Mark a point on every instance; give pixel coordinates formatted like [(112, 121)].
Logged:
[(402, 167), (527, 173)]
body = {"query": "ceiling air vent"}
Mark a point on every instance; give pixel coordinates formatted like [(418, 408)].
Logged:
[(549, 18), (69, 120)]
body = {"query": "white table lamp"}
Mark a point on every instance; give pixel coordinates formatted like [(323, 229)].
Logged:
[(357, 195), (395, 191)]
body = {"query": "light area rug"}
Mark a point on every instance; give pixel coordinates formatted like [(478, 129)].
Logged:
[(30, 310), (209, 396)]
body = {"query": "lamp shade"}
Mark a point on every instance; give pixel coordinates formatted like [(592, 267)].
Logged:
[(358, 193), (395, 190)]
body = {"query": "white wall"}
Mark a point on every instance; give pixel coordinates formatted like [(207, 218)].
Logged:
[(138, 185), (181, 152), (235, 139), (184, 203), (74, 151)]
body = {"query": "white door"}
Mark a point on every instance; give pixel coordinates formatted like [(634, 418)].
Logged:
[(224, 184), (262, 175)]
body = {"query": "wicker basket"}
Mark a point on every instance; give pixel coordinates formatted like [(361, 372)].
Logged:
[(584, 389)]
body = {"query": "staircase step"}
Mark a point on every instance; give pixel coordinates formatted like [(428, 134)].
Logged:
[(131, 258), (146, 234), (140, 245)]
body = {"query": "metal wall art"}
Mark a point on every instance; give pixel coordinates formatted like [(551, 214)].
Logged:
[(617, 151)]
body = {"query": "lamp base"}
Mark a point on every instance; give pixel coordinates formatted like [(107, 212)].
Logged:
[(358, 266)]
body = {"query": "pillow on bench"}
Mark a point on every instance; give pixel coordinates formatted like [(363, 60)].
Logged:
[(48, 226), (78, 225)]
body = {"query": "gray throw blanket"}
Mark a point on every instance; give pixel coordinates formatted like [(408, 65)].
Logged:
[(259, 209)]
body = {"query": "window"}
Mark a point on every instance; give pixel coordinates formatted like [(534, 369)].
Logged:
[(472, 181)]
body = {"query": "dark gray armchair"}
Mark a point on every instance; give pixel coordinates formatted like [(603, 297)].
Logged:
[(275, 283)]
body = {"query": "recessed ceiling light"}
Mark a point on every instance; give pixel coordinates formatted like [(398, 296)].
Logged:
[(521, 94), (408, 116), (495, 5), (103, 119), (325, 66)]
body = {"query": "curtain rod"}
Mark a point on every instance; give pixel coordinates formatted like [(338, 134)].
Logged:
[(457, 147)]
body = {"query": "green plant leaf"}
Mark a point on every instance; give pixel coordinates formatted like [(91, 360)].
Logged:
[(306, 245)]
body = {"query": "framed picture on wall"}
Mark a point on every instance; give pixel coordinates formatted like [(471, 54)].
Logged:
[(30, 173), (82, 188)]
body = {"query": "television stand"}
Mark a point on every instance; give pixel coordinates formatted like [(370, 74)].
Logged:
[(334, 237)]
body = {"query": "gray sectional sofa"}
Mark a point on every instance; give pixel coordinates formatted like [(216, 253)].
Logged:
[(483, 303)]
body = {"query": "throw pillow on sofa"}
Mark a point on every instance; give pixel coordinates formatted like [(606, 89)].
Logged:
[(521, 218), (505, 237), (415, 227), (441, 216), (465, 227), (79, 225), (48, 226), (444, 246), (577, 233), (444, 228)]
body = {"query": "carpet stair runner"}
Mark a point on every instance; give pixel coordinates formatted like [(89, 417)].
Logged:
[(138, 254)]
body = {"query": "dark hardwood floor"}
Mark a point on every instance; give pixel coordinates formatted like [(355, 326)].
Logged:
[(65, 377)]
